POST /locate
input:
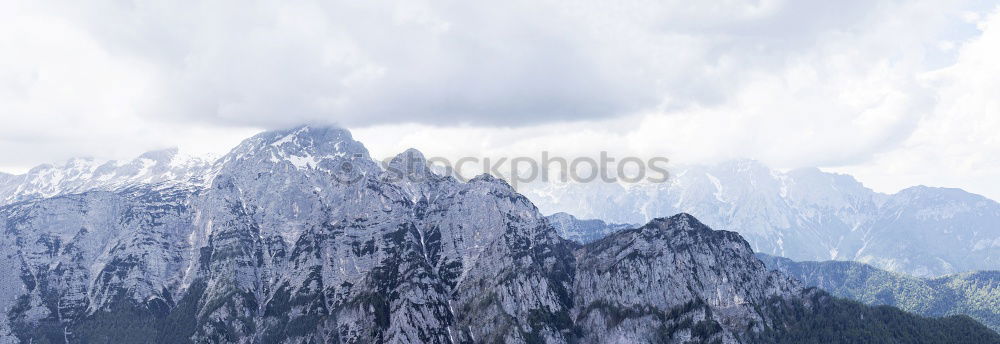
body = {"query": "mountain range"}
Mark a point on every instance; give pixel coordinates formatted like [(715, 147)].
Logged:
[(804, 214), (86, 174), (975, 294), (299, 236)]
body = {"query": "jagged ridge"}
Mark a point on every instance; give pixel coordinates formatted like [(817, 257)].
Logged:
[(299, 236)]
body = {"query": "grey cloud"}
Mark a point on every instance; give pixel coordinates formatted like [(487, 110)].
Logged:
[(508, 64)]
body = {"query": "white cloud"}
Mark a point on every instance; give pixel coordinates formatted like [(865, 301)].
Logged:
[(861, 86), (956, 144)]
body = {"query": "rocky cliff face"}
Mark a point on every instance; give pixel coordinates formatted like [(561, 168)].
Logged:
[(298, 236), (301, 236), (673, 280), (73, 256)]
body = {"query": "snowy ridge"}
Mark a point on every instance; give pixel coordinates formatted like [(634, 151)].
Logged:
[(84, 174)]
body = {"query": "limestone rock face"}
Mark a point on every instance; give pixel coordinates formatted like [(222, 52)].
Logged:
[(298, 236)]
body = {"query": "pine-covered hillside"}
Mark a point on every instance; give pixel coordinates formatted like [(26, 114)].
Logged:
[(975, 294)]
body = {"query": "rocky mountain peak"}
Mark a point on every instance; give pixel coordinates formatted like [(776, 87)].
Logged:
[(679, 266), (303, 140), (562, 217), (281, 249), (326, 149), (410, 163), (410, 171), (487, 178), (488, 184), (680, 221), (410, 154), (318, 139)]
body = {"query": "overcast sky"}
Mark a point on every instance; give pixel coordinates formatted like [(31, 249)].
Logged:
[(897, 93)]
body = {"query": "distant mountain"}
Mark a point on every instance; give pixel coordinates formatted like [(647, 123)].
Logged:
[(976, 294), (5, 177), (298, 236), (804, 214), (583, 231), (84, 174)]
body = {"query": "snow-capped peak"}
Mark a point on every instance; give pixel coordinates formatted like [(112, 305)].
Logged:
[(303, 147), (410, 162)]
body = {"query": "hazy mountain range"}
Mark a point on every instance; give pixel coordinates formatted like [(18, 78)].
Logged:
[(298, 236), (804, 214), (85, 174), (583, 231)]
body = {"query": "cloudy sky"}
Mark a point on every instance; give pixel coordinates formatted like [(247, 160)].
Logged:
[(897, 93)]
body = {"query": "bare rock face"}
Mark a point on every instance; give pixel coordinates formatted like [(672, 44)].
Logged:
[(298, 236), (73, 256), (663, 281)]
